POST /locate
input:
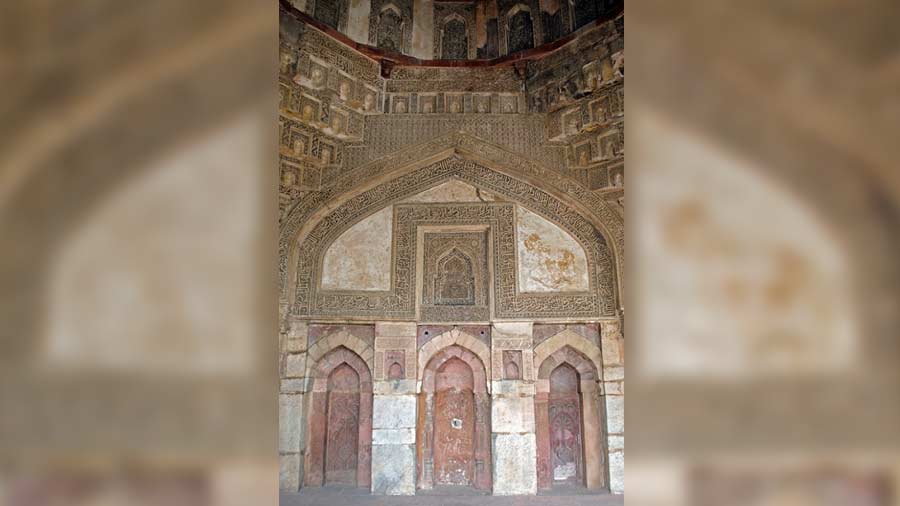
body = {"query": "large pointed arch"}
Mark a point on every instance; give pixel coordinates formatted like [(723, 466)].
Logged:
[(548, 199), (546, 185), (311, 300)]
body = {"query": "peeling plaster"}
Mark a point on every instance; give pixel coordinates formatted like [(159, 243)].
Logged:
[(360, 259), (550, 260)]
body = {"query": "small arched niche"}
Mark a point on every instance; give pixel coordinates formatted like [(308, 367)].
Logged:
[(390, 29), (454, 39), (454, 429), (339, 437)]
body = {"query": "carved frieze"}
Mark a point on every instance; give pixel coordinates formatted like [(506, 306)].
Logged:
[(399, 302)]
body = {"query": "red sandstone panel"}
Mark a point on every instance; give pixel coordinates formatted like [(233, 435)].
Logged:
[(566, 447), (454, 425)]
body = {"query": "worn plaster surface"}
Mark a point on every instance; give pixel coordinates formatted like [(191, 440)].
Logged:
[(360, 259), (550, 260)]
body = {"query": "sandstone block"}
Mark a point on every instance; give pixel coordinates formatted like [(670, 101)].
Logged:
[(617, 472), (515, 464), (512, 414), (394, 412), (395, 329), (290, 416), (394, 469), (289, 472), (615, 414), (393, 436)]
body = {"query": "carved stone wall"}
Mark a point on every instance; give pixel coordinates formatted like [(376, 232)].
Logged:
[(391, 25), (455, 156), (520, 25), (455, 277), (413, 27), (399, 302), (331, 12), (449, 41)]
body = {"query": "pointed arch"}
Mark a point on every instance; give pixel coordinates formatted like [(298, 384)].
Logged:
[(569, 349), (341, 339), (600, 301), (357, 397), (463, 340), (427, 445), (567, 339), (523, 180)]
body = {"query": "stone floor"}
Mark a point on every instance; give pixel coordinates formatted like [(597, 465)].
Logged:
[(355, 497)]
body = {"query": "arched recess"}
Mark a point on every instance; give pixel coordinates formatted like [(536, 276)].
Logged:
[(391, 29), (343, 338), (600, 301), (520, 29), (518, 179), (573, 340), (332, 12), (576, 403), (454, 281), (451, 338), (454, 38), (584, 11), (340, 421), (437, 410)]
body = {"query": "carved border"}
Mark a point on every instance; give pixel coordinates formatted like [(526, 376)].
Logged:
[(399, 303), (599, 211)]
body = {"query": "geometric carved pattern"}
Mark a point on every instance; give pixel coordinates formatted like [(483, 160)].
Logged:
[(454, 41), (507, 176), (391, 24), (332, 12), (521, 32), (566, 449), (455, 282), (455, 277), (399, 302), (454, 31)]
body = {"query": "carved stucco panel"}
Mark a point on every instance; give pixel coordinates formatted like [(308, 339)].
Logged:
[(399, 302)]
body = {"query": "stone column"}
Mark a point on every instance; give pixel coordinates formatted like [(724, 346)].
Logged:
[(291, 403), (613, 350), (394, 410), (512, 409)]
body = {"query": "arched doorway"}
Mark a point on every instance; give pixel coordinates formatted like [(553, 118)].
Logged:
[(342, 438), (566, 439), (569, 422), (339, 449), (454, 424), (454, 430)]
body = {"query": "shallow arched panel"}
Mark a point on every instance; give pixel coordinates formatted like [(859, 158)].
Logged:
[(454, 424), (550, 259), (342, 437), (566, 441), (339, 433)]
